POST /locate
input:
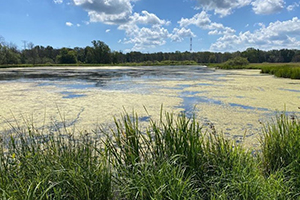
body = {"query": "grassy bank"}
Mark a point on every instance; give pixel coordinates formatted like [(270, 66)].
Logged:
[(172, 159), (146, 63), (282, 70)]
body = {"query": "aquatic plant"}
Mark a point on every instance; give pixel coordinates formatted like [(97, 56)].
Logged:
[(285, 71), (280, 146), (172, 158)]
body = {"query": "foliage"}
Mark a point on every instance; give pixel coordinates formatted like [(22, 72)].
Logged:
[(172, 158), (66, 56), (285, 71), (281, 149), (100, 53), (36, 165), (234, 63), (9, 54)]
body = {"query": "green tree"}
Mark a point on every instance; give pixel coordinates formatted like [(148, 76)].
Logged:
[(90, 56), (67, 56), (9, 54), (287, 55), (237, 62), (102, 52)]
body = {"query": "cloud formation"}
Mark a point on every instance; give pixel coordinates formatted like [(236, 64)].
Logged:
[(179, 34), (143, 30), (144, 37), (266, 7), (147, 18), (107, 11), (58, 1), (69, 24), (200, 19), (222, 7), (276, 35), (293, 6), (203, 21)]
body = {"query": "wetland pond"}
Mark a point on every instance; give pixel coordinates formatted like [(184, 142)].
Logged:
[(234, 102)]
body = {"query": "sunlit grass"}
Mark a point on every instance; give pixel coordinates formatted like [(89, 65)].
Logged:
[(172, 158)]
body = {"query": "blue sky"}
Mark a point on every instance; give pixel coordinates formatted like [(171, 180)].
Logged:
[(153, 25)]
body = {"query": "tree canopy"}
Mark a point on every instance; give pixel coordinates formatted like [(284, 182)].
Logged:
[(100, 53)]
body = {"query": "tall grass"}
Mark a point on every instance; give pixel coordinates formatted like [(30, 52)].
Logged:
[(172, 158), (285, 71), (210, 166), (281, 149), (36, 165)]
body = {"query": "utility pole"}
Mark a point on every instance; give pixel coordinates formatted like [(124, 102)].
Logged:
[(191, 44)]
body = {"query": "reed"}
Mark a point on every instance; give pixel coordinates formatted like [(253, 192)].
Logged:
[(172, 158), (35, 165)]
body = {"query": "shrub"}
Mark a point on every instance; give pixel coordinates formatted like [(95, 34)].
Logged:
[(235, 63)]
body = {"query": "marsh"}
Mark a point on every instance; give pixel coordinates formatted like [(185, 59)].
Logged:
[(234, 102)]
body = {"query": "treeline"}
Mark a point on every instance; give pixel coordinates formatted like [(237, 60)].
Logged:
[(100, 53)]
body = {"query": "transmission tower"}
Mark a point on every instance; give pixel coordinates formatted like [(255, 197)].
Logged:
[(191, 44), (25, 44)]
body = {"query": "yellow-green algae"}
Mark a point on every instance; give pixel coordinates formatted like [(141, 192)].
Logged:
[(43, 104)]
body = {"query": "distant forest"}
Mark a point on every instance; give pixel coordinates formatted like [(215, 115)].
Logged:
[(100, 53)]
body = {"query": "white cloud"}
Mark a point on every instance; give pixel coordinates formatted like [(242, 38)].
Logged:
[(279, 34), (147, 18), (69, 24), (58, 1), (266, 7), (179, 34), (78, 25), (107, 11), (107, 30), (151, 37), (203, 21), (293, 6), (120, 12), (144, 38), (222, 7), (200, 20), (143, 30)]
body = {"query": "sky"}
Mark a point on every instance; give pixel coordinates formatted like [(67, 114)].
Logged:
[(153, 25)]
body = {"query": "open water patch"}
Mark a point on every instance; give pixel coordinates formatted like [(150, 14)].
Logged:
[(71, 95), (247, 107), (289, 90), (191, 99)]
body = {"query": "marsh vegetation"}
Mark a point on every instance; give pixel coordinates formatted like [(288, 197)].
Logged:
[(173, 158)]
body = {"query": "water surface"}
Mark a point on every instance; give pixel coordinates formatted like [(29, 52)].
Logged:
[(233, 101)]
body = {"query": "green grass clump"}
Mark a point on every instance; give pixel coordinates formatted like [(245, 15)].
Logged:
[(175, 159), (234, 63), (285, 71), (35, 165), (281, 149), (172, 158)]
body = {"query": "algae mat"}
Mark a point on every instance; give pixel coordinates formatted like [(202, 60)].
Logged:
[(234, 102)]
